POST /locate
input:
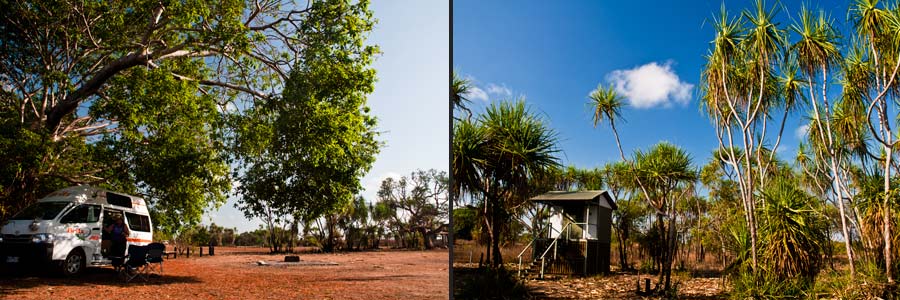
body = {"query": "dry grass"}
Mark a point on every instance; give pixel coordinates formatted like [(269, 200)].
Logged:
[(468, 252)]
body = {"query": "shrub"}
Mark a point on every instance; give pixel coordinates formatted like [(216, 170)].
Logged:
[(488, 283)]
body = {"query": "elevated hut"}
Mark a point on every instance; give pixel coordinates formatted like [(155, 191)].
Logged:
[(577, 235)]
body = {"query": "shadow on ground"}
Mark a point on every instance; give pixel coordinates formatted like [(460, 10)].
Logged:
[(486, 283), (12, 280)]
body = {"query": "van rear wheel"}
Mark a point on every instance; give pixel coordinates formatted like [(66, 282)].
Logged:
[(73, 264)]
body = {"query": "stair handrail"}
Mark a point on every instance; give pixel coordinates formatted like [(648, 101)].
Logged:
[(553, 245), (519, 267), (519, 272)]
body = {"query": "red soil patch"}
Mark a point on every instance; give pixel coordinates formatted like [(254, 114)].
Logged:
[(233, 274)]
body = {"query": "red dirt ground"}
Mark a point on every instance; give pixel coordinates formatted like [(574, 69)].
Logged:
[(233, 274)]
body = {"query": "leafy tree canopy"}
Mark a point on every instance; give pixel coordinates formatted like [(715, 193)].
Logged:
[(302, 154), (156, 98)]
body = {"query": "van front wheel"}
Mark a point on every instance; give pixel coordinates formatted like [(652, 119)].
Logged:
[(74, 263)]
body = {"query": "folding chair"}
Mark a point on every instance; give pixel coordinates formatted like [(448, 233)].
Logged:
[(117, 262), (136, 266), (155, 257)]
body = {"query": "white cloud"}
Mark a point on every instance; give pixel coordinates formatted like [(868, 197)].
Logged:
[(476, 93), (802, 131), (651, 85), (500, 90)]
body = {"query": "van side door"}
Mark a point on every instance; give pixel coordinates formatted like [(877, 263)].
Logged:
[(141, 231), (82, 226)]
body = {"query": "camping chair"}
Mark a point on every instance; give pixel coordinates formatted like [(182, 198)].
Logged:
[(155, 257), (136, 266), (117, 262)]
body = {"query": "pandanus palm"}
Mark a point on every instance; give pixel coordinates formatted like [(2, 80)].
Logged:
[(879, 28), (795, 234), (470, 156), (459, 88), (791, 89), (763, 44), (739, 93), (496, 156), (607, 107), (668, 174), (817, 54)]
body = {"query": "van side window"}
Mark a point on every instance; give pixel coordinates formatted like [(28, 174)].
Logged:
[(82, 214), (138, 222)]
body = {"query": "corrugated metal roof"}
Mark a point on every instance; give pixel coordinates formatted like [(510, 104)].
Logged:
[(558, 196)]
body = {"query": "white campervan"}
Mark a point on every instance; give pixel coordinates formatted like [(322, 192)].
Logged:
[(66, 228)]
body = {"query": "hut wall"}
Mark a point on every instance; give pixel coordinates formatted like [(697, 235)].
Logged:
[(604, 225), (556, 222)]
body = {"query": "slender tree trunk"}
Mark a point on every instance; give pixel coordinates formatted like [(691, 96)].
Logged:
[(670, 251), (497, 260), (837, 174), (751, 204), (661, 250), (623, 256), (846, 233), (488, 228), (887, 215)]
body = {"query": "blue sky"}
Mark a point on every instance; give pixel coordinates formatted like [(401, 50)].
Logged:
[(554, 54), (410, 98)]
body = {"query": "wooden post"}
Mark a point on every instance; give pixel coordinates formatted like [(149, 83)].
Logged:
[(542, 268), (201, 251), (647, 284), (519, 270), (587, 250)]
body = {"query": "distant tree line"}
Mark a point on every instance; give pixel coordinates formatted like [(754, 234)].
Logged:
[(410, 212)]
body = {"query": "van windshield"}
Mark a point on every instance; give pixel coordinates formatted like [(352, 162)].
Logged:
[(41, 211)]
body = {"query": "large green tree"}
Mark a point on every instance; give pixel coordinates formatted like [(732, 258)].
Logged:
[(301, 155), (136, 95)]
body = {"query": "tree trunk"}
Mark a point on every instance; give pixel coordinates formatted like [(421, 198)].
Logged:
[(623, 256), (487, 228), (840, 201), (887, 216), (497, 259), (661, 250), (670, 251)]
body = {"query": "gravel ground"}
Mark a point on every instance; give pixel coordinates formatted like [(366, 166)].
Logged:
[(234, 274)]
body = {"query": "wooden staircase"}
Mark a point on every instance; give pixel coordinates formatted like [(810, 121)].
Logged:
[(533, 270)]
